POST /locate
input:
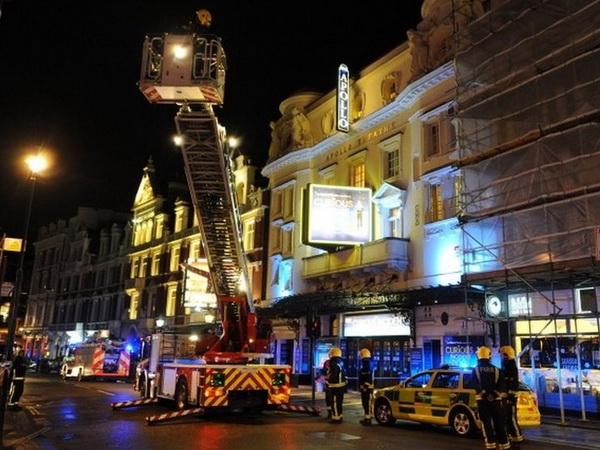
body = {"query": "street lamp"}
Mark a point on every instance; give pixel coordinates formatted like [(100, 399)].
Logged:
[(36, 164)]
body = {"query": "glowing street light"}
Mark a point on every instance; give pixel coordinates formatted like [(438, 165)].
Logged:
[(36, 164)]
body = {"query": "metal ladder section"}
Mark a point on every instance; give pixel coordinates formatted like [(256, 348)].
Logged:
[(211, 184)]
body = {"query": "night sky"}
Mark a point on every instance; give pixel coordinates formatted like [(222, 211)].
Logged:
[(68, 74)]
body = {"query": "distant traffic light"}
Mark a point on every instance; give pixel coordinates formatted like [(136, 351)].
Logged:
[(313, 327)]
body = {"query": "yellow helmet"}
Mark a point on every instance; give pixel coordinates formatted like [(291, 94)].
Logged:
[(484, 353), (507, 352), (335, 352), (365, 353)]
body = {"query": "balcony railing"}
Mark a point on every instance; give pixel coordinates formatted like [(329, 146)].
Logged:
[(387, 253)]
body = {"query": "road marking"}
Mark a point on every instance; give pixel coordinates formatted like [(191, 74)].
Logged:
[(28, 437), (105, 392)]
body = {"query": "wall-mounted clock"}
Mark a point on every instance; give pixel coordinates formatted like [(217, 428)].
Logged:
[(493, 306)]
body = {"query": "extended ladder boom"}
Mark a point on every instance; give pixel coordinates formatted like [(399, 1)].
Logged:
[(210, 179)]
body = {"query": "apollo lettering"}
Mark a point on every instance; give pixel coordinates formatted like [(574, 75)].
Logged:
[(343, 99)]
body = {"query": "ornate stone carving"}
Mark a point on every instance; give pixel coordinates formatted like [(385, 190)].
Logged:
[(390, 87)]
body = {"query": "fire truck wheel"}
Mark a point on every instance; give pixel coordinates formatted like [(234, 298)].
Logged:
[(181, 395)]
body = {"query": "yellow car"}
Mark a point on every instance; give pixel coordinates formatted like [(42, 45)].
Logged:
[(444, 397)]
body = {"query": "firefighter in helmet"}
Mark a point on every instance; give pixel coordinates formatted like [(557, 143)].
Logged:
[(336, 384), (17, 380), (366, 384), (490, 391), (511, 378)]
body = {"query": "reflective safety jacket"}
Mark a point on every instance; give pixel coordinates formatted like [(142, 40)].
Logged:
[(336, 373), (511, 375), (488, 381), (365, 374)]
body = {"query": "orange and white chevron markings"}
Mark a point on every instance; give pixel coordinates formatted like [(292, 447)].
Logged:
[(299, 409), (167, 416), (143, 401)]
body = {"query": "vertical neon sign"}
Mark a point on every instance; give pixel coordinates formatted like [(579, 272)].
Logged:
[(343, 99)]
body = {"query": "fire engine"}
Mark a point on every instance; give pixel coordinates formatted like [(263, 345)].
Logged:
[(229, 370), (104, 359)]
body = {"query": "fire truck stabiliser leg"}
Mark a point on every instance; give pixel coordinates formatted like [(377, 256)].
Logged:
[(144, 401), (299, 409), (168, 416)]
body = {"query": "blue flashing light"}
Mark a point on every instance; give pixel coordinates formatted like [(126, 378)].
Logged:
[(129, 347)]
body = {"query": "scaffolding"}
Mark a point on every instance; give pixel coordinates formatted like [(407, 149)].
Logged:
[(527, 121)]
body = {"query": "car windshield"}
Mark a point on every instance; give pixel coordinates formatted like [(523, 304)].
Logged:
[(418, 381), (447, 380)]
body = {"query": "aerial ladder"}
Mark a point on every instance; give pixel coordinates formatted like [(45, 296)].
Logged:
[(189, 70)]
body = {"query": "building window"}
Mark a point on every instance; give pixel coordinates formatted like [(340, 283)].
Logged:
[(391, 156), (134, 306), (174, 264), (171, 301), (443, 198), (394, 223), (135, 267), (585, 299), (156, 264), (277, 204), (288, 203), (358, 175), (249, 235), (275, 239), (287, 242), (434, 207), (194, 251), (439, 136)]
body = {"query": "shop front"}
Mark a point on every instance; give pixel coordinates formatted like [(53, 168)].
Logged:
[(561, 360)]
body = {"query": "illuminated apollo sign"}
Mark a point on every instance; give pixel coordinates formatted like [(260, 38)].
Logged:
[(337, 215), (343, 99)]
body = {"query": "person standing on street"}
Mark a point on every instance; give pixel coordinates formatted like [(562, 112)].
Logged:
[(17, 382), (511, 378), (366, 384), (323, 376), (336, 382), (489, 392)]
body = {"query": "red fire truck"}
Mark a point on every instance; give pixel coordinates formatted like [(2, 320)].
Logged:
[(104, 359)]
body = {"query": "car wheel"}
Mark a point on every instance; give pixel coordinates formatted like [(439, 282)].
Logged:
[(463, 422), (181, 395), (383, 413)]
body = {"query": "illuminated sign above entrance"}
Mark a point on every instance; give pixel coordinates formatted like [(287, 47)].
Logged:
[(343, 99)]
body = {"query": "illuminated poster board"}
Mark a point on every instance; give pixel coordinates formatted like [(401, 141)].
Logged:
[(337, 215), (386, 324), (343, 99), (196, 293), (460, 351)]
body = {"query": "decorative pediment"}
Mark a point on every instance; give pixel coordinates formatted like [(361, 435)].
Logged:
[(389, 195), (145, 192)]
